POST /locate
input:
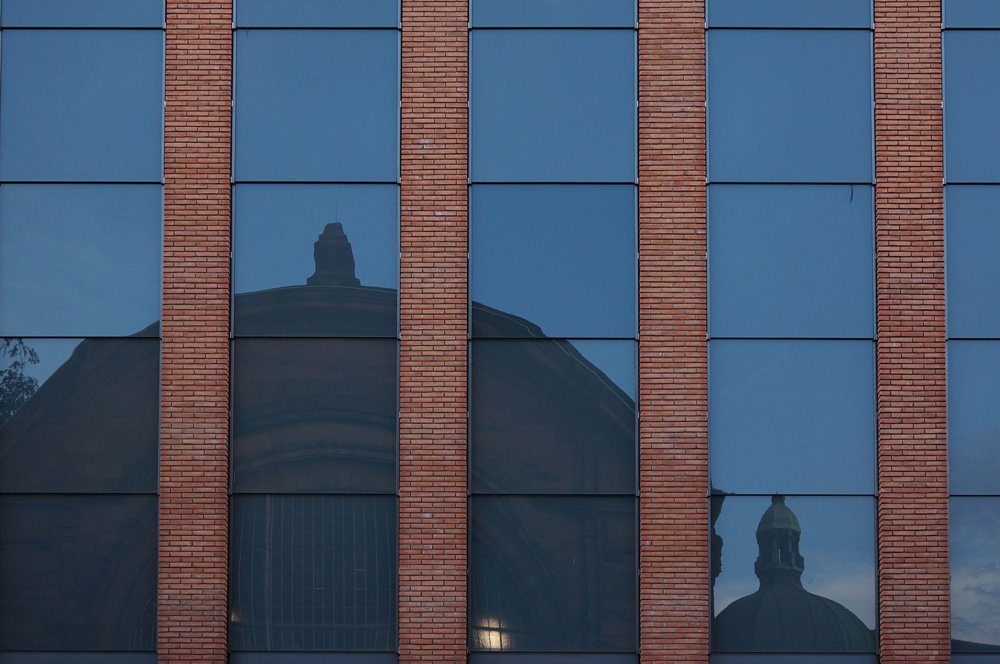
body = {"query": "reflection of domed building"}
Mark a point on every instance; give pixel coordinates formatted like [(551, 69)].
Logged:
[(782, 616)]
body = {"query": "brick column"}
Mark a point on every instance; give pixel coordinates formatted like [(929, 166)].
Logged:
[(194, 428), (433, 364), (673, 351), (912, 461)]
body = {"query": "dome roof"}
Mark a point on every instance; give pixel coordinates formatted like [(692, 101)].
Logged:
[(778, 517)]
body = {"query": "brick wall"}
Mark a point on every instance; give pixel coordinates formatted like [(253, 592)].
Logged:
[(912, 462), (194, 439), (433, 327), (673, 362)]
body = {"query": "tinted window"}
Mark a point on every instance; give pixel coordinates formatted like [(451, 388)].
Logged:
[(792, 416), (546, 658), (553, 13), (79, 260), (316, 105), (972, 102), (790, 14), (970, 14), (317, 13), (974, 530), (552, 574), (81, 105), (561, 257), (553, 106), (973, 419), (76, 14), (973, 227), (791, 261), (789, 106)]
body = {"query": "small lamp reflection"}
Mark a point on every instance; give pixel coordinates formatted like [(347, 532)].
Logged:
[(491, 634)]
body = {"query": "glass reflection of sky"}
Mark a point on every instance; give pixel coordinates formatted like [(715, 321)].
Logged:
[(975, 569), (973, 274), (973, 418), (553, 13), (790, 13), (52, 354), (615, 358), (972, 97), (317, 13), (276, 225), (838, 545), (76, 14)]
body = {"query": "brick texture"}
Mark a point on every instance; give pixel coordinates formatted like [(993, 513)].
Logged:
[(194, 438), (433, 327), (912, 463), (673, 363)]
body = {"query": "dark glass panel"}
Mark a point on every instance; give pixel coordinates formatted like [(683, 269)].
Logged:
[(790, 14), (792, 416), (791, 261), (973, 228), (295, 276), (561, 257), (316, 105), (79, 260), (973, 418), (78, 572), (313, 573), (81, 105), (793, 659), (317, 14), (552, 574), (553, 106), (553, 13), (974, 535), (797, 574), (77, 14), (311, 658), (77, 658), (548, 658), (970, 13), (790, 106), (314, 415), (972, 104), (546, 419), (83, 418), (979, 658)]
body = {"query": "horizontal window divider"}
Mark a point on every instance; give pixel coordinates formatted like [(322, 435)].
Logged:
[(973, 495), (718, 338), (554, 339), (970, 28), (80, 337), (79, 493), (291, 338), (158, 28), (856, 184), (552, 27), (395, 28), (315, 494), (384, 182), (973, 338), (473, 494), (475, 183), (839, 28), (720, 494), (973, 184), (62, 182)]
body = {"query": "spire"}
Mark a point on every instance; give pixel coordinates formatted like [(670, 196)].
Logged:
[(778, 535), (334, 259)]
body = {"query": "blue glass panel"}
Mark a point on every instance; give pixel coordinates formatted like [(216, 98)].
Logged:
[(792, 416), (560, 256), (78, 572), (971, 13), (77, 658), (553, 106), (79, 416), (310, 658), (553, 13), (548, 417), (79, 260), (791, 261), (316, 105), (790, 106), (790, 13), (797, 574), (973, 228), (76, 14), (313, 573), (972, 103), (974, 535), (81, 105), (552, 574), (317, 13), (973, 418), (314, 415), (548, 658), (772, 658)]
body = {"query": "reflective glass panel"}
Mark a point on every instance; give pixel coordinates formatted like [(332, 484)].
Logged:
[(970, 13), (973, 227), (317, 13), (313, 573), (553, 416), (562, 257), (793, 574), (314, 415), (973, 418), (791, 261), (790, 106), (78, 572), (81, 105), (553, 106), (789, 14), (549, 658), (296, 275), (974, 535), (316, 105), (972, 103), (792, 416), (79, 416), (553, 13), (772, 658), (76, 14), (552, 574), (79, 260)]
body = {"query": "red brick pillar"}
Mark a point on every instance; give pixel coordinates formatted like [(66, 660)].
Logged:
[(909, 222), (433, 366), (194, 428), (673, 351)]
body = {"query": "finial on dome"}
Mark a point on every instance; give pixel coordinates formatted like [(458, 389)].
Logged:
[(334, 259)]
